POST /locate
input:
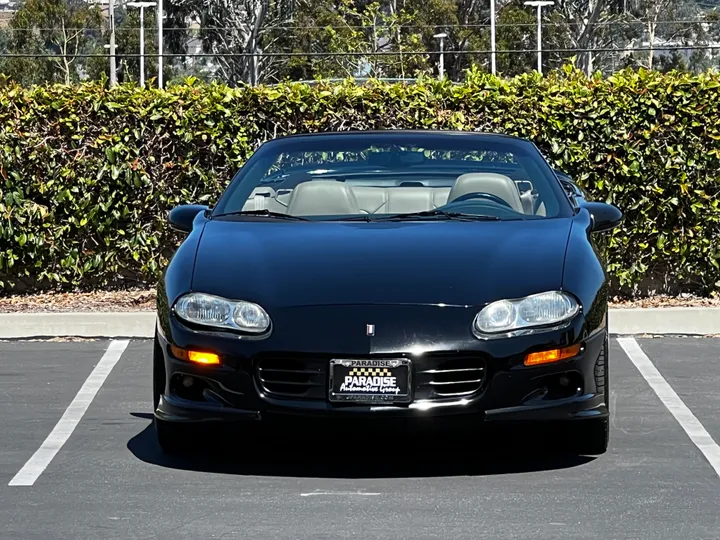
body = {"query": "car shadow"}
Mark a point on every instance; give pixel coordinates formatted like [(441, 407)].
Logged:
[(318, 453)]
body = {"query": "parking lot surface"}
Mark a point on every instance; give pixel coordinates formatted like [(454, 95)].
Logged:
[(106, 478)]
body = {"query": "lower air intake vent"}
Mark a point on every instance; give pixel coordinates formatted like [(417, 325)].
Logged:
[(454, 377), (292, 377)]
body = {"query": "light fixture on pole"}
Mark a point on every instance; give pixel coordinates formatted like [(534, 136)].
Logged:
[(539, 4), (441, 37), (493, 61), (142, 6)]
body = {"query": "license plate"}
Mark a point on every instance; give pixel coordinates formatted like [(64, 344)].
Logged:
[(370, 381)]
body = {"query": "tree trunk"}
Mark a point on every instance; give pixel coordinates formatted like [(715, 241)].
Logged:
[(394, 10), (64, 51), (259, 19), (585, 39), (652, 24), (651, 41)]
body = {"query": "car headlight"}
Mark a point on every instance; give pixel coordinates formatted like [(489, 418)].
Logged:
[(210, 310), (533, 313)]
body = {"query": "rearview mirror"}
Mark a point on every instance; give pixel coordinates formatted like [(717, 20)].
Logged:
[(605, 217), (181, 217)]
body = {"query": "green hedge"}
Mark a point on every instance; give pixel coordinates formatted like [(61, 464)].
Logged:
[(88, 174)]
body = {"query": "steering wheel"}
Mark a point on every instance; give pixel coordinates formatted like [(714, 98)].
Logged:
[(482, 195)]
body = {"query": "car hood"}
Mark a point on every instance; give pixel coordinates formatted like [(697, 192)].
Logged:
[(291, 264)]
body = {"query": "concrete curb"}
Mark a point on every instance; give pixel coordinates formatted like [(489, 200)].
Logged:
[(139, 324), (669, 320), (676, 321)]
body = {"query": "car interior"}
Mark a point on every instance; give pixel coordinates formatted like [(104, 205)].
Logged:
[(333, 196)]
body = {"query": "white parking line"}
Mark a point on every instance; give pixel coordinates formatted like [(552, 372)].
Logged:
[(687, 420), (70, 419), (331, 493)]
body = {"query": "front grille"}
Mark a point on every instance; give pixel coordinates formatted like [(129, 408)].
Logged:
[(450, 377), (437, 376), (293, 377)]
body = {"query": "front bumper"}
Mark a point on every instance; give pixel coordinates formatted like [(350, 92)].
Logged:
[(509, 391)]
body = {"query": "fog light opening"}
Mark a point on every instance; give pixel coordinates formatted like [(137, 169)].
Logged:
[(188, 387), (564, 385)]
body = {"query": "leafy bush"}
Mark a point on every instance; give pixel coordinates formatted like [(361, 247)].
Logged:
[(89, 174)]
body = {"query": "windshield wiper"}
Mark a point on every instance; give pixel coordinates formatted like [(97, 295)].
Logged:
[(264, 213), (440, 214), (427, 214)]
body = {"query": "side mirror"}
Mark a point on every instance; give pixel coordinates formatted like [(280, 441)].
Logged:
[(605, 217), (181, 217)]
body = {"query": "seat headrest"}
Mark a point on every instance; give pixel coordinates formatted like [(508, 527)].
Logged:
[(496, 184), (322, 197)]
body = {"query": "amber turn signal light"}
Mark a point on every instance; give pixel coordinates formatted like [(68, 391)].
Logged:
[(553, 355), (198, 357)]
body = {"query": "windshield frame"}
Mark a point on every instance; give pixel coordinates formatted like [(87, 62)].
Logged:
[(267, 153)]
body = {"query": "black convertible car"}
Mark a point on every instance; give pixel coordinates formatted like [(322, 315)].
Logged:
[(392, 274)]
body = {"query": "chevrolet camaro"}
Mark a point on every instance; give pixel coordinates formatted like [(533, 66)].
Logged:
[(394, 274)]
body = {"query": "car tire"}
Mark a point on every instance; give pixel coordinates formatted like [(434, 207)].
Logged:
[(158, 380), (593, 436), (602, 373)]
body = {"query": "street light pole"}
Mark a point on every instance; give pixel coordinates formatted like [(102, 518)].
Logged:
[(111, 48), (142, 46), (539, 4), (441, 37), (160, 42), (142, 6), (493, 64)]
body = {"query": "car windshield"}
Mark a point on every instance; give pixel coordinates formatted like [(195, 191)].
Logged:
[(395, 176)]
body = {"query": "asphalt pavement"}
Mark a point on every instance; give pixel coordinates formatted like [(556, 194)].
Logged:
[(106, 478)]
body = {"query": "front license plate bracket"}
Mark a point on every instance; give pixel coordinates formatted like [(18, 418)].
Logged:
[(370, 381)]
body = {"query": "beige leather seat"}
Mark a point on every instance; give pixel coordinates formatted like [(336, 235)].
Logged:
[(321, 197), (330, 197), (261, 198), (371, 199), (496, 184), (398, 200), (415, 199)]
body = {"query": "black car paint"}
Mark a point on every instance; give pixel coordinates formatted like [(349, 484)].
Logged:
[(288, 264), (420, 283)]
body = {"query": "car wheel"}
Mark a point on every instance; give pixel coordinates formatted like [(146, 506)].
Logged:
[(602, 373), (593, 436), (158, 381)]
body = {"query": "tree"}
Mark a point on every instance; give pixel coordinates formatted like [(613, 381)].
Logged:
[(653, 18), (515, 32), (128, 43), (232, 27), (391, 31), (67, 28), (344, 26), (127, 47), (435, 16), (589, 24), (321, 26)]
